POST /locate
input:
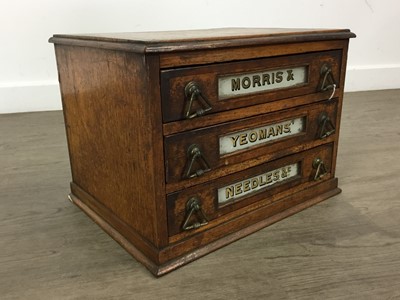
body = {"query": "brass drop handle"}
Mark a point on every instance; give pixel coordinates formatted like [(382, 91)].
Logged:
[(328, 81), (194, 155), (326, 126), (192, 93), (193, 207), (319, 166)]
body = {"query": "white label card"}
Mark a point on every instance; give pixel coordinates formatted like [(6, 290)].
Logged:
[(244, 84), (243, 188), (255, 136)]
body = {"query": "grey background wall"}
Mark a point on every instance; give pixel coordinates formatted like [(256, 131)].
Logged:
[(28, 75)]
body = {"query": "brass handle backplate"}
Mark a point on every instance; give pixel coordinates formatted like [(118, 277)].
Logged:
[(194, 155), (319, 166), (192, 93), (328, 81), (193, 208), (326, 126)]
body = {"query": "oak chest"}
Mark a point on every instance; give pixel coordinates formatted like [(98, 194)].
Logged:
[(183, 142)]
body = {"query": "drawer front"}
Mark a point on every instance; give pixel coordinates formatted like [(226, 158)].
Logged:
[(192, 92), (219, 147), (204, 206)]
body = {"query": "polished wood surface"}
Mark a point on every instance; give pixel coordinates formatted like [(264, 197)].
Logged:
[(173, 82), (173, 41), (207, 193), (117, 103), (210, 55), (345, 248), (115, 142), (230, 115), (207, 139), (211, 35)]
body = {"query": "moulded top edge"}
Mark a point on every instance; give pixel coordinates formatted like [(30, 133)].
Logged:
[(170, 41)]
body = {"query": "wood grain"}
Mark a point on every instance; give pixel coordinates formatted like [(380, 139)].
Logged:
[(172, 41), (173, 82), (207, 192), (206, 56), (207, 139), (345, 248), (210, 35), (106, 107), (230, 115), (124, 166)]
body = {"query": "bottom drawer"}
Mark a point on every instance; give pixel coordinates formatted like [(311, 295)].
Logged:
[(204, 206)]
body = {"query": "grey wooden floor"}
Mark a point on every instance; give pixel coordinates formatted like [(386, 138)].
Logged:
[(347, 247)]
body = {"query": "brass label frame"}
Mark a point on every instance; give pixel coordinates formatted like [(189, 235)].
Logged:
[(235, 191), (242, 84), (252, 137)]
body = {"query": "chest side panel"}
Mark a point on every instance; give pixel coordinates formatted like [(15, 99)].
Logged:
[(113, 133)]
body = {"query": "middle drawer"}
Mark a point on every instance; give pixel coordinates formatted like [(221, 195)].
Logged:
[(200, 153)]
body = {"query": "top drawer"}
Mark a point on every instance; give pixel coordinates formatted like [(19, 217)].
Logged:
[(193, 91)]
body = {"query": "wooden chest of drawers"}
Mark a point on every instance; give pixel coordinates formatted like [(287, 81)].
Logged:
[(183, 142)]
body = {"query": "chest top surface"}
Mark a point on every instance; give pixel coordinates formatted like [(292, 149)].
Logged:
[(170, 41)]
